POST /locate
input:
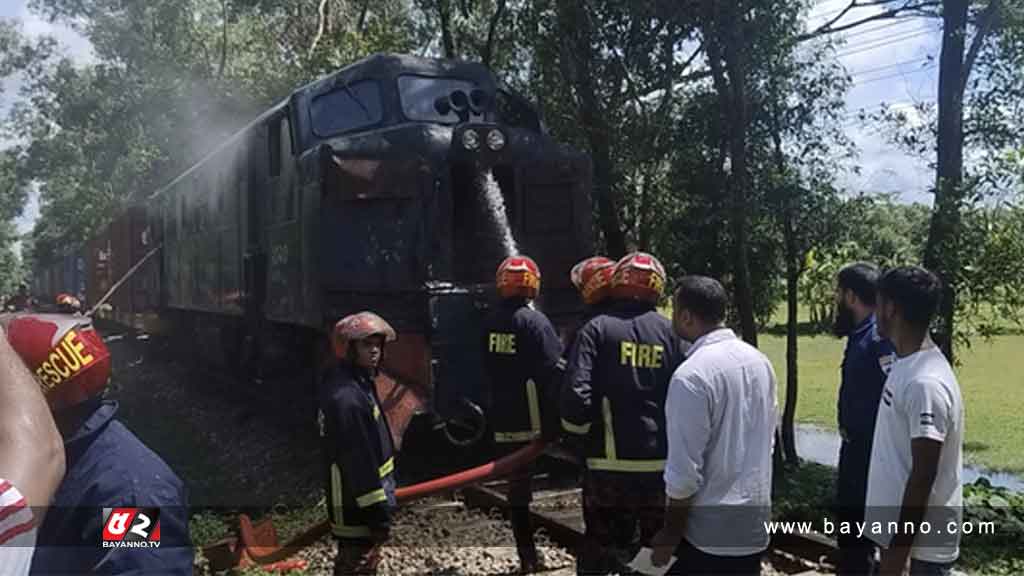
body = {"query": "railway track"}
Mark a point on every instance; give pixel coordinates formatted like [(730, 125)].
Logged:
[(557, 512), (454, 532)]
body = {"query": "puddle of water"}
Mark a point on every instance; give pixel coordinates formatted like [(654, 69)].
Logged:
[(822, 446)]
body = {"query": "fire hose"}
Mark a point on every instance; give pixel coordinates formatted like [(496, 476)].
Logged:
[(257, 543)]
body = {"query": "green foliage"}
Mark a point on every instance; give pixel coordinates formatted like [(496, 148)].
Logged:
[(207, 528), (999, 552)]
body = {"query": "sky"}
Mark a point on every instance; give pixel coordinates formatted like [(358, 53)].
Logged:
[(891, 61)]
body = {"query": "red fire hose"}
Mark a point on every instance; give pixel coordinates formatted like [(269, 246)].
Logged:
[(257, 543)]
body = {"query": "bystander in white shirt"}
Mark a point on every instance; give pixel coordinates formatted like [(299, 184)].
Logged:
[(921, 400), (721, 417)]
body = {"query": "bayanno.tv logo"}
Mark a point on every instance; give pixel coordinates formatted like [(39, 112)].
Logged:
[(131, 527)]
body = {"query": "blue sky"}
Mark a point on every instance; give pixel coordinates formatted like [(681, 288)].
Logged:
[(888, 61)]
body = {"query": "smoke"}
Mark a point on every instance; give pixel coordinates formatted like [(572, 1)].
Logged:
[(494, 211)]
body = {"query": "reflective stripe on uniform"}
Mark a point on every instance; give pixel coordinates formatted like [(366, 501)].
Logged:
[(387, 467), (625, 465), (611, 462), (609, 434), (506, 437), (534, 405), (371, 498), (575, 428), (338, 527), (376, 412)]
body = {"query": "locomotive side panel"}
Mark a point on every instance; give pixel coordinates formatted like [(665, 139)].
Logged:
[(282, 221)]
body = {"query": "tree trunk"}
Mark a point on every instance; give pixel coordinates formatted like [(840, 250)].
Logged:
[(492, 33), (793, 269), (223, 40), (444, 13), (574, 28), (792, 387), (726, 44), (942, 250)]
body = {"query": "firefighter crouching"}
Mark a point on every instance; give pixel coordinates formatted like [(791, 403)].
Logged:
[(357, 443), (107, 466), (613, 402), (523, 360)]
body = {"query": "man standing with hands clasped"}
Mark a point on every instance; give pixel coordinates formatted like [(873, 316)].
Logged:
[(916, 456), (866, 362), (720, 419)]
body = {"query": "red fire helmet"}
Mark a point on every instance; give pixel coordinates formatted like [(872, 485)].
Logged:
[(357, 327), (66, 354), (67, 302), (638, 276), (518, 277), (592, 278)]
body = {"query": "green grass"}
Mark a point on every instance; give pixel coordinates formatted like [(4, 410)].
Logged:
[(991, 377)]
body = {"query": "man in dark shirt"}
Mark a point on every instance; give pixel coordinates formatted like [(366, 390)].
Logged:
[(523, 361), (866, 363), (357, 444), (613, 403)]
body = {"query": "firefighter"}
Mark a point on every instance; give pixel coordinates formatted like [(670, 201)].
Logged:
[(592, 277), (357, 443), (614, 402), (107, 466), (523, 360), (68, 304)]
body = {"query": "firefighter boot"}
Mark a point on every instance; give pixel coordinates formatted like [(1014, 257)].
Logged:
[(529, 560)]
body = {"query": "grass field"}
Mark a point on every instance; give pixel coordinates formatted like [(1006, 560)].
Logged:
[(991, 377)]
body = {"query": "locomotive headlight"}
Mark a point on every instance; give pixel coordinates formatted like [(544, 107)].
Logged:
[(470, 140), (495, 140)]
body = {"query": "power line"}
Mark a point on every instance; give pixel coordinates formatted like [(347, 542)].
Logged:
[(896, 75), (874, 45), (877, 28), (888, 66)]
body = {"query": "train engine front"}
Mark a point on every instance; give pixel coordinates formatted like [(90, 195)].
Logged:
[(429, 175)]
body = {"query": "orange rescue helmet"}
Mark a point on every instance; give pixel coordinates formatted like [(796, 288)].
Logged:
[(66, 354), (638, 276), (592, 278), (518, 277), (357, 327)]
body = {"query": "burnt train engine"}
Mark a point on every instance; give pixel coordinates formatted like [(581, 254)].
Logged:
[(397, 185)]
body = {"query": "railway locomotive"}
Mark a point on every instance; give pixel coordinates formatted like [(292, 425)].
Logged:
[(396, 184)]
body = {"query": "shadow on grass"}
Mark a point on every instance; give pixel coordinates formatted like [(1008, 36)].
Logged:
[(802, 329), (976, 447)]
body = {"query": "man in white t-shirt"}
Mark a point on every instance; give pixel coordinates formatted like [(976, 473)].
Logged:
[(914, 499)]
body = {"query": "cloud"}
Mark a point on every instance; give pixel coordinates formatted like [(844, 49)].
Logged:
[(891, 62)]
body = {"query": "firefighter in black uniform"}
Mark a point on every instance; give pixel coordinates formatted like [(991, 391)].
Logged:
[(523, 360), (614, 402), (592, 277), (357, 443)]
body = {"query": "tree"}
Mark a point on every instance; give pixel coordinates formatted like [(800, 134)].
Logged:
[(173, 79)]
